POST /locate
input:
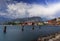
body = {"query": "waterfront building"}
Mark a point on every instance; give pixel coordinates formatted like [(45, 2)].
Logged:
[(46, 22), (52, 22), (40, 23), (28, 23), (58, 19)]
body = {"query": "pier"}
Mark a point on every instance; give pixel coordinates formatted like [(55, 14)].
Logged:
[(4, 29)]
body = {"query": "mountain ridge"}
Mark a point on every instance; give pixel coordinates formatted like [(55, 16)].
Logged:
[(28, 19)]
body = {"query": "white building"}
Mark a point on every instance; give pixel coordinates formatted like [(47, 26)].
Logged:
[(57, 19)]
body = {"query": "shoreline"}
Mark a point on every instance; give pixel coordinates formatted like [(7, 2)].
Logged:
[(54, 37)]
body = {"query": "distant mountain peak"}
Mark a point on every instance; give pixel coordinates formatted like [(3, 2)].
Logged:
[(28, 19)]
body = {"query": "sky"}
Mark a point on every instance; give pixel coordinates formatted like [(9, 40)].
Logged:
[(30, 8)]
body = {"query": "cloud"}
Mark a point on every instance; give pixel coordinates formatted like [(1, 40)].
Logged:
[(21, 10)]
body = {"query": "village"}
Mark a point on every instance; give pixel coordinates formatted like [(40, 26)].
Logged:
[(54, 22)]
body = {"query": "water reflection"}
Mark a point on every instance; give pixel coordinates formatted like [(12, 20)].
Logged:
[(39, 26), (22, 25)]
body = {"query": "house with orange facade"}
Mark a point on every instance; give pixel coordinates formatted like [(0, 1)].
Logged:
[(52, 22), (55, 21)]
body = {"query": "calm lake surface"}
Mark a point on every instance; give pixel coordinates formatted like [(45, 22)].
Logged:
[(26, 33)]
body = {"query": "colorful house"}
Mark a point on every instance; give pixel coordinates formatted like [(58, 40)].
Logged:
[(52, 22)]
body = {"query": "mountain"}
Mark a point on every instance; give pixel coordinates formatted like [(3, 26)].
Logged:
[(44, 19), (35, 19), (4, 19)]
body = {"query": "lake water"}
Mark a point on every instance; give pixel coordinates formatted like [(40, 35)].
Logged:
[(26, 33)]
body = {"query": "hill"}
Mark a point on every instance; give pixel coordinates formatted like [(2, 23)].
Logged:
[(33, 19)]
